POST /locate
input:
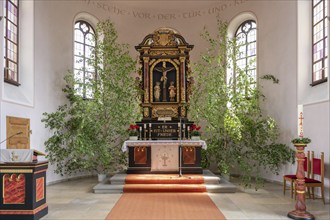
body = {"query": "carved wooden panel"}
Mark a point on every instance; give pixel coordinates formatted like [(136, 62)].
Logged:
[(18, 133), (13, 189), (189, 155), (40, 188), (140, 155)]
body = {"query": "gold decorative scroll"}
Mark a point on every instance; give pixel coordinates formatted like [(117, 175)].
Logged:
[(164, 52), (164, 111), (183, 111), (164, 37), (146, 112)]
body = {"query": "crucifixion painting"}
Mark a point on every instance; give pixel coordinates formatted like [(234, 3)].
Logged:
[(164, 70)]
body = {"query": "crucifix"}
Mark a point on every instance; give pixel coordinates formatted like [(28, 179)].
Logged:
[(163, 79), (164, 157)]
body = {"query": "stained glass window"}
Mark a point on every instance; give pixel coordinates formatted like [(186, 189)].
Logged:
[(320, 42), (246, 37), (11, 41), (84, 45)]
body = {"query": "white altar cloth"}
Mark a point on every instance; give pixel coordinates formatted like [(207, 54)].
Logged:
[(16, 155), (128, 143)]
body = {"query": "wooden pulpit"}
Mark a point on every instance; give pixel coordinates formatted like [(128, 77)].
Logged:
[(23, 191)]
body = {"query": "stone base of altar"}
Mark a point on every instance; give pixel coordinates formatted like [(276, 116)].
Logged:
[(212, 182), (161, 156)]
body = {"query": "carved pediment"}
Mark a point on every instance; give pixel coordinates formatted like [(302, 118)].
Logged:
[(164, 37)]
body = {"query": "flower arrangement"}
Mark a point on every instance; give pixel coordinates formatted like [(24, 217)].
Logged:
[(194, 130), (301, 140), (133, 130)]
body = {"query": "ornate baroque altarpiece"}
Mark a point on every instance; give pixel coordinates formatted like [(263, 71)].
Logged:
[(165, 75)]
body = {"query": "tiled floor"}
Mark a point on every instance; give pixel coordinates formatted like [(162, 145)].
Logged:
[(74, 200)]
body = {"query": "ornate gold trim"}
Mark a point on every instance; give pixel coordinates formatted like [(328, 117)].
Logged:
[(146, 112), (16, 171), (168, 111)]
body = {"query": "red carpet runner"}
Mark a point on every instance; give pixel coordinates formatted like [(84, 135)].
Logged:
[(157, 205), (164, 183)]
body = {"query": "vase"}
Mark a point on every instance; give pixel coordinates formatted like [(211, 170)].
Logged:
[(101, 177), (195, 138), (133, 138)]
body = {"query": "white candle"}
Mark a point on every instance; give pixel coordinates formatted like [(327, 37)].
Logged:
[(179, 125), (149, 125), (300, 121), (145, 126)]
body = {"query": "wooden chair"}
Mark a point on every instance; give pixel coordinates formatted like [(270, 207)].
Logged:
[(317, 170), (292, 177)]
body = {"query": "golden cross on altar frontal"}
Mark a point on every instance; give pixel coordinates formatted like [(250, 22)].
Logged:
[(164, 157)]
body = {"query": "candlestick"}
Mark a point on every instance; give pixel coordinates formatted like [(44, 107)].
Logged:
[(140, 128), (300, 211)]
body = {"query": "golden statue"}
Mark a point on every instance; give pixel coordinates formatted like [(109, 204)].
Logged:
[(172, 91), (157, 91)]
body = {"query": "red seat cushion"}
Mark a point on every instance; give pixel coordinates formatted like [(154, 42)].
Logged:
[(290, 176), (308, 180)]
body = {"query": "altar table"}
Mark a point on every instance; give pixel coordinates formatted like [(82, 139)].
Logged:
[(162, 156)]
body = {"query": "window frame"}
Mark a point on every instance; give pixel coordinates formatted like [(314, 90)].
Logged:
[(246, 69), (324, 39), (83, 56), (6, 40)]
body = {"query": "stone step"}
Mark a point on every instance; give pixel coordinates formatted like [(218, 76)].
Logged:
[(213, 184), (142, 188)]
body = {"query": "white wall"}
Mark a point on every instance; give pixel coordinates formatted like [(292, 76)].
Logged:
[(277, 23)]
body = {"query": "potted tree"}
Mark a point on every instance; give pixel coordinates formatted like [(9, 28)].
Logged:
[(238, 135), (87, 134)]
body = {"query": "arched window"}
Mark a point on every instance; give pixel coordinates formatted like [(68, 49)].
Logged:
[(246, 39), (11, 11), (320, 41), (84, 45)]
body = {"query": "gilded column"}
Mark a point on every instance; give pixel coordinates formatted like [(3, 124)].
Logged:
[(183, 79), (146, 79), (146, 85)]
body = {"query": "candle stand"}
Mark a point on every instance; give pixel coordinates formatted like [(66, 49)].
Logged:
[(300, 212)]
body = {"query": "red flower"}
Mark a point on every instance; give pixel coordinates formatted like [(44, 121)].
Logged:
[(194, 130), (133, 130)]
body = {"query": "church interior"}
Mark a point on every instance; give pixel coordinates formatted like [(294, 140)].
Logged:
[(177, 109)]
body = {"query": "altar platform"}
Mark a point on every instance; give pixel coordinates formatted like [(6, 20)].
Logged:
[(186, 183)]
